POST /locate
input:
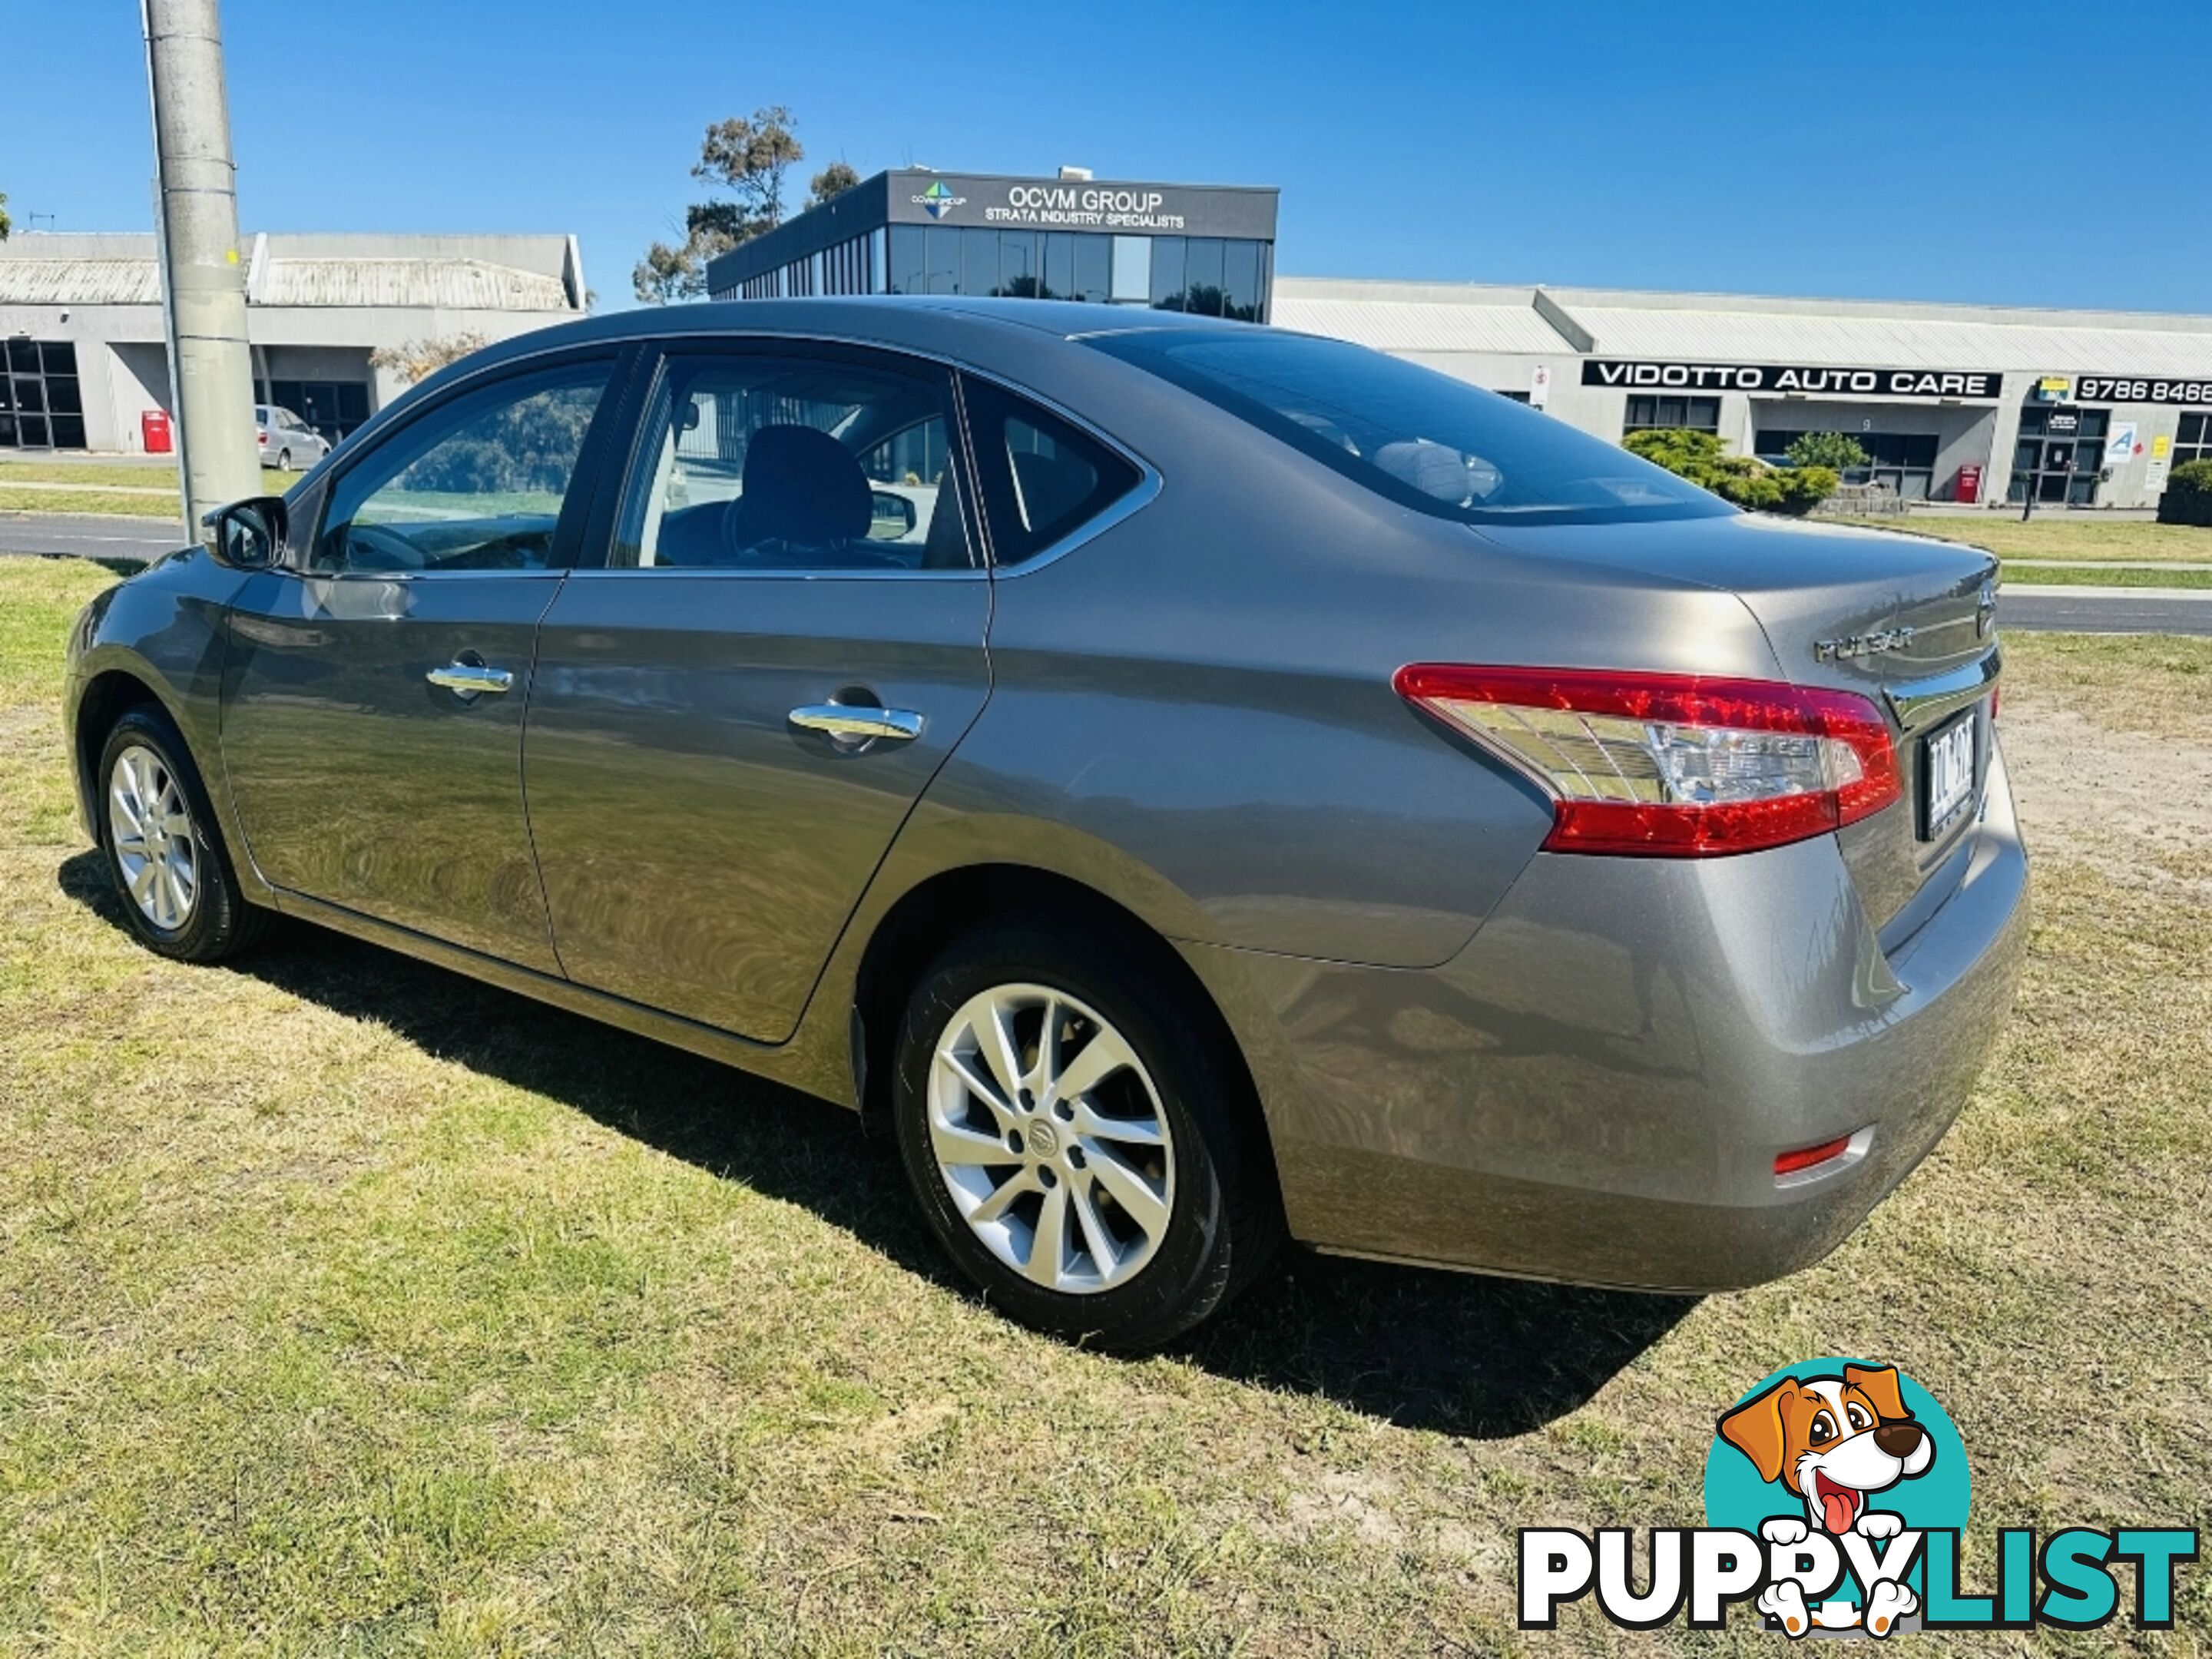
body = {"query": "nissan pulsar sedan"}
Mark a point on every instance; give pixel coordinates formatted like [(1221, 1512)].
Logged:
[(1195, 785)]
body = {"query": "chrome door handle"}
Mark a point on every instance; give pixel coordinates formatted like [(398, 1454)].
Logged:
[(469, 679), (853, 723)]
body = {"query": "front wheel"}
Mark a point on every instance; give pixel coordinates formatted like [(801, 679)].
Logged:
[(283, 460), (1078, 1144), (166, 855)]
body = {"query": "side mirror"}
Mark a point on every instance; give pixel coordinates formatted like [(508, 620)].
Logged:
[(891, 514), (246, 535)]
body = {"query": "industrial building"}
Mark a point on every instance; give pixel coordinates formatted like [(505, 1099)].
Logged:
[(83, 354), (1206, 248), (1951, 403)]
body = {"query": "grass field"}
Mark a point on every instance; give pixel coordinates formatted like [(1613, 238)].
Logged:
[(348, 1307), (16, 494), (2060, 536)]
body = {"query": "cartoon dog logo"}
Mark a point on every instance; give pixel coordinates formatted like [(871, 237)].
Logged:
[(1832, 1442)]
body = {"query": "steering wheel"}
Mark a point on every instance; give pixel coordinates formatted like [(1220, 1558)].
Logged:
[(374, 547)]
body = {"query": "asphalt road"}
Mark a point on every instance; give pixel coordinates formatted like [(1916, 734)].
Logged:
[(2060, 610), (2111, 611), (89, 536)]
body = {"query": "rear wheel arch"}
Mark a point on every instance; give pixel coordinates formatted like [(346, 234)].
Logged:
[(934, 912)]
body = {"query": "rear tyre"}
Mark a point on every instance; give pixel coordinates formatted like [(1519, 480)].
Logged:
[(171, 871), (283, 460), (1079, 1144)]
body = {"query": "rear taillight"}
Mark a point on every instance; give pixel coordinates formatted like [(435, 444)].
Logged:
[(1670, 765), (261, 437)]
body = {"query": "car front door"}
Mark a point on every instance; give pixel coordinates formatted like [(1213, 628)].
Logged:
[(374, 690), (734, 712)]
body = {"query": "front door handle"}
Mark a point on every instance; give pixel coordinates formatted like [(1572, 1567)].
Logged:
[(854, 724), (471, 678)]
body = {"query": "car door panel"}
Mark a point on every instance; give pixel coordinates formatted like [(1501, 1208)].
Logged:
[(362, 784), (701, 849), (701, 853), (374, 689)]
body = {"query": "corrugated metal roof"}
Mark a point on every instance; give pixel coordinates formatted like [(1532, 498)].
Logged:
[(1917, 341), (453, 284), (1420, 325), (79, 282)]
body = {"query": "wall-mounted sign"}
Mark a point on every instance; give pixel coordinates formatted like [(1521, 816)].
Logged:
[(1130, 210), (1804, 380), (2155, 475), (1539, 386), (2053, 389), (2120, 447), (2127, 389), (2161, 446)]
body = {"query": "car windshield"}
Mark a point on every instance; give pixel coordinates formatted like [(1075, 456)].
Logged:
[(1422, 438)]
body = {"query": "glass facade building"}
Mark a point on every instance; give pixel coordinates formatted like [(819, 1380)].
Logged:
[(1174, 247)]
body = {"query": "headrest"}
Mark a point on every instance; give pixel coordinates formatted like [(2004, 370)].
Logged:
[(801, 485)]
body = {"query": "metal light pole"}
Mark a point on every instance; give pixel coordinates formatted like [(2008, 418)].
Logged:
[(203, 282)]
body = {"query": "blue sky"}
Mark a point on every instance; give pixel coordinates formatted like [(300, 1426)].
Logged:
[(2022, 154)]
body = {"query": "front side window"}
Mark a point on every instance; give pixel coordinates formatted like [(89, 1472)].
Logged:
[(477, 484), (1416, 437), (794, 462)]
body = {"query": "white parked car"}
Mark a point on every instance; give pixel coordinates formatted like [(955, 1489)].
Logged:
[(288, 443)]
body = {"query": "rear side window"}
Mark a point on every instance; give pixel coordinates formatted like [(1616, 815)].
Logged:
[(1042, 479), (1421, 439)]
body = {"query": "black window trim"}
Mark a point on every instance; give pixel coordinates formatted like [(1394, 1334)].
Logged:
[(579, 506)]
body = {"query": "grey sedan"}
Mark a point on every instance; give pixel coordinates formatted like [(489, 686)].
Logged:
[(287, 443), (1195, 785)]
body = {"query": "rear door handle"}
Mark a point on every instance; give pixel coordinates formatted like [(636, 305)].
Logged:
[(855, 724), (471, 678)]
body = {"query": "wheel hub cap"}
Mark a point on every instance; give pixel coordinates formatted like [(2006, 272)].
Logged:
[(1049, 1135), (152, 833)]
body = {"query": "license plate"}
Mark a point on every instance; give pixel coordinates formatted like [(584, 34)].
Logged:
[(1947, 776)]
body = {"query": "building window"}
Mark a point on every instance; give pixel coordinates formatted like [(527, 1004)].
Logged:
[(1905, 461), (2193, 442), (1214, 276), (333, 408), (2058, 454), (40, 407), (1647, 411)]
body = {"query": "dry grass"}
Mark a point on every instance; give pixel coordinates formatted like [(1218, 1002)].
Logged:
[(348, 1307), (2060, 536)]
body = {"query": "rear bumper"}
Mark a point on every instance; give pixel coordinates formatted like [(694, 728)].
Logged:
[(1595, 1089)]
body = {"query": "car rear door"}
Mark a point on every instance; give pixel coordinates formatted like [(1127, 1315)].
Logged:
[(374, 690), (735, 711)]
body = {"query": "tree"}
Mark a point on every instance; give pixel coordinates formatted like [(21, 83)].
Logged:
[(749, 159), (6, 224), (1700, 458), (418, 360), (1836, 451), (833, 180)]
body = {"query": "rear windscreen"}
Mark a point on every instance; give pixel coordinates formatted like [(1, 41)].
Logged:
[(1421, 439)]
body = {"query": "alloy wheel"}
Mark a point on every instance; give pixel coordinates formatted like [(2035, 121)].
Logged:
[(152, 832), (1050, 1137)]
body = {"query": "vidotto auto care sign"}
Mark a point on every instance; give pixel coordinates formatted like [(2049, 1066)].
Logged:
[(1809, 380)]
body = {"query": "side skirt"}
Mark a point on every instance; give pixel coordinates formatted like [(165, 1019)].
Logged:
[(779, 1063)]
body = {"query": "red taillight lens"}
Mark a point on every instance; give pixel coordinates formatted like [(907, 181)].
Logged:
[(1670, 765), (1806, 1156), (261, 437)]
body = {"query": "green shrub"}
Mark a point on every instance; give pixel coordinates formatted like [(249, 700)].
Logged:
[(1836, 452), (2188, 498), (1748, 482)]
